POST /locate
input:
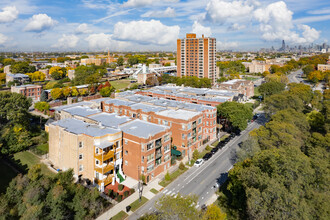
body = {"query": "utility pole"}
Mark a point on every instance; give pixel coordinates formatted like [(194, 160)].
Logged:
[(140, 185)]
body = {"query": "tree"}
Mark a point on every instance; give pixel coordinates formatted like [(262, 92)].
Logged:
[(56, 93), (42, 106), (37, 76), (316, 121), (282, 101), (43, 96), (247, 149), (178, 208), (152, 81), (236, 114), (22, 67), (57, 72), (195, 155), (304, 92), (213, 212), (120, 61), (315, 76), (307, 69), (37, 196), (271, 88), (74, 91), (107, 91)]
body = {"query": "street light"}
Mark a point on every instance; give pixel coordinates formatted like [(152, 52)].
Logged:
[(140, 185)]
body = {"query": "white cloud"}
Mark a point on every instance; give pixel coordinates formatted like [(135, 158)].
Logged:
[(142, 3), (83, 29), (276, 24), (227, 45), (320, 11), (200, 29), (39, 23), (8, 14), (146, 32), (67, 41), (236, 27), (3, 39), (309, 34), (219, 11), (169, 12), (104, 42)]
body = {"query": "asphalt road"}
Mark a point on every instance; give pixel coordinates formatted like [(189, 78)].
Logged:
[(294, 77), (201, 180)]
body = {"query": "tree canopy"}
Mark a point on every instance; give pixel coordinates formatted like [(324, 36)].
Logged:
[(271, 88), (35, 196), (236, 114)]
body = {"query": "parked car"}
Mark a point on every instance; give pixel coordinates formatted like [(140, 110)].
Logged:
[(199, 162), (207, 156), (214, 150)]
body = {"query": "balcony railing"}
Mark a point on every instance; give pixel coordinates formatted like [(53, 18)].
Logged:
[(104, 168), (104, 155), (107, 180)]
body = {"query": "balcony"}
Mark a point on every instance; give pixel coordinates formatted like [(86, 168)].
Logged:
[(158, 155), (104, 155), (106, 180), (104, 168)]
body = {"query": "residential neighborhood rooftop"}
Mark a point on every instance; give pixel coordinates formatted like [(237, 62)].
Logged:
[(142, 129)]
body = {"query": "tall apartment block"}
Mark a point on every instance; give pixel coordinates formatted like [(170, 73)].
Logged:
[(196, 57)]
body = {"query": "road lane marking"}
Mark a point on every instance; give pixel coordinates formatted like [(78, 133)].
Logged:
[(165, 191)]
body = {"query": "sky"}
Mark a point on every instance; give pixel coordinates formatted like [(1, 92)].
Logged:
[(154, 25)]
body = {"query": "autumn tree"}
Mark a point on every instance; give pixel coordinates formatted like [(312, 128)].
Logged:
[(42, 106), (271, 88), (56, 93)]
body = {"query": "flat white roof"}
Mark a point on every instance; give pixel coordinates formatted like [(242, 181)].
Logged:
[(178, 114)]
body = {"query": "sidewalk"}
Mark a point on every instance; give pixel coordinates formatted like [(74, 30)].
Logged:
[(146, 190)]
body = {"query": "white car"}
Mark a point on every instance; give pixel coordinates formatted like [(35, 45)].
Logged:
[(199, 162)]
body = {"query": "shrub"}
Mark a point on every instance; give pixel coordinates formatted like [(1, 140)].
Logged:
[(132, 191), (110, 192), (120, 187), (119, 198), (167, 176), (208, 148), (195, 155), (143, 178), (181, 166), (126, 193)]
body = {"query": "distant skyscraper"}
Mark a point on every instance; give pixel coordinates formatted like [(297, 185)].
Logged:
[(196, 57), (283, 46)]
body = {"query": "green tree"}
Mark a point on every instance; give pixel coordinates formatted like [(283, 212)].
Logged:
[(107, 91), (195, 155), (282, 101), (307, 69), (43, 96), (181, 207), (236, 114), (120, 61), (271, 88), (22, 67), (316, 121)]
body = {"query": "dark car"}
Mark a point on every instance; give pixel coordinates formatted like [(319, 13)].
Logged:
[(232, 135), (207, 156), (214, 150)]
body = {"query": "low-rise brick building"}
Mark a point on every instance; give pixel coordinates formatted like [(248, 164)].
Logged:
[(30, 91)]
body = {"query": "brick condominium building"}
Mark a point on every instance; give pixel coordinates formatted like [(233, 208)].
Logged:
[(196, 57), (104, 147), (30, 91), (105, 140)]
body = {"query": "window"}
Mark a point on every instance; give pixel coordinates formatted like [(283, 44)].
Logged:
[(165, 122), (97, 150), (81, 168), (166, 148), (106, 108), (126, 163), (97, 162), (166, 138), (126, 152), (150, 146), (183, 136), (199, 129), (81, 144), (80, 156), (167, 157), (126, 141), (117, 156), (183, 127), (150, 167), (199, 120), (207, 123), (189, 126), (133, 115), (150, 157), (142, 159)]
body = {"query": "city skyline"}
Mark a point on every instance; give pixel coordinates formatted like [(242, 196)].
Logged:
[(91, 25)]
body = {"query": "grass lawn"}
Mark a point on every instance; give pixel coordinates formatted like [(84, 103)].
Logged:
[(26, 159), (256, 91), (215, 143), (120, 216), (173, 176), (137, 204), (154, 191), (40, 149), (7, 174), (120, 84)]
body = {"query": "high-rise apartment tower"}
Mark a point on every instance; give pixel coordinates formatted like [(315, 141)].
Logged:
[(196, 57)]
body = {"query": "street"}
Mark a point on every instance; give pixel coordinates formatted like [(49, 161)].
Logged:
[(201, 181), (293, 77)]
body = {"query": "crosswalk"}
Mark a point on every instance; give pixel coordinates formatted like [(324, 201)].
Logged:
[(170, 192)]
